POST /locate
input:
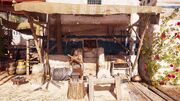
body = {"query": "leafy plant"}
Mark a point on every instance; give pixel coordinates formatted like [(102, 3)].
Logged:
[(163, 56)]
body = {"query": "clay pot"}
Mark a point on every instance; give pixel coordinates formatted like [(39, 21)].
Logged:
[(11, 69), (21, 68), (20, 62)]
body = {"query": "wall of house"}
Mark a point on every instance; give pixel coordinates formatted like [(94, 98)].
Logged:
[(69, 1), (120, 2)]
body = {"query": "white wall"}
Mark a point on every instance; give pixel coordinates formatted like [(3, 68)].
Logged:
[(69, 1), (105, 2), (120, 2), (168, 2)]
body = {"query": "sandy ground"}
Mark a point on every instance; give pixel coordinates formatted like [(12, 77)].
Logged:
[(27, 92)]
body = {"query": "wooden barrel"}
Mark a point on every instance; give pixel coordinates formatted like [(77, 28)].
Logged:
[(76, 89)]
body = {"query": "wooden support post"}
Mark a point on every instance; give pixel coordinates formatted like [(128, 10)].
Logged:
[(35, 39), (47, 66), (97, 53), (118, 87), (91, 88), (59, 35), (141, 41), (27, 57)]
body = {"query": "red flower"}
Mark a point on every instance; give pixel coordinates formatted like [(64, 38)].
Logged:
[(173, 76), (171, 65), (168, 79), (177, 35), (156, 57), (178, 23), (161, 82), (177, 70), (163, 35), (169, 75)]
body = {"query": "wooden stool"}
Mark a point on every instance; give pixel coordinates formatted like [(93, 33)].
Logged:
[(93, 81)]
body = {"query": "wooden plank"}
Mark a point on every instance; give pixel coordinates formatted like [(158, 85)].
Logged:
[(2, 72), (136, 95), (151, 95), (176, 90), (158, 92), (82, 39), (78, 28), (171, 91), (91, 88), (104, 81), (62, 8), (3, 75), (122, 19), (27, 57), (6, 79), (118, 87)]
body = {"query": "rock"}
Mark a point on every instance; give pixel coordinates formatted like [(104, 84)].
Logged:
[(136, 78)]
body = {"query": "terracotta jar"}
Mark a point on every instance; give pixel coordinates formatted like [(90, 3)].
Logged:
[(11, 69), (21, 67)]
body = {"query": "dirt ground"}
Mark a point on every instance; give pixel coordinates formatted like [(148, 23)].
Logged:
[(31, 92)]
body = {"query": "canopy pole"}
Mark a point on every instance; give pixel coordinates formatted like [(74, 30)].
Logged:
[(47, 66), (141, 40)]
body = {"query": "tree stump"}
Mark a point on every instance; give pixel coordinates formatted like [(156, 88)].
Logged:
[(76, 89)]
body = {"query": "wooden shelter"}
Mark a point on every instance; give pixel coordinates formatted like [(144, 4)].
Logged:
[(99, 20), (79, 19)]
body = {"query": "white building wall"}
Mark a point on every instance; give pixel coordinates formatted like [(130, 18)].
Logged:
[(69, 1), (105, 2), (168, 2), (120, 2)]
